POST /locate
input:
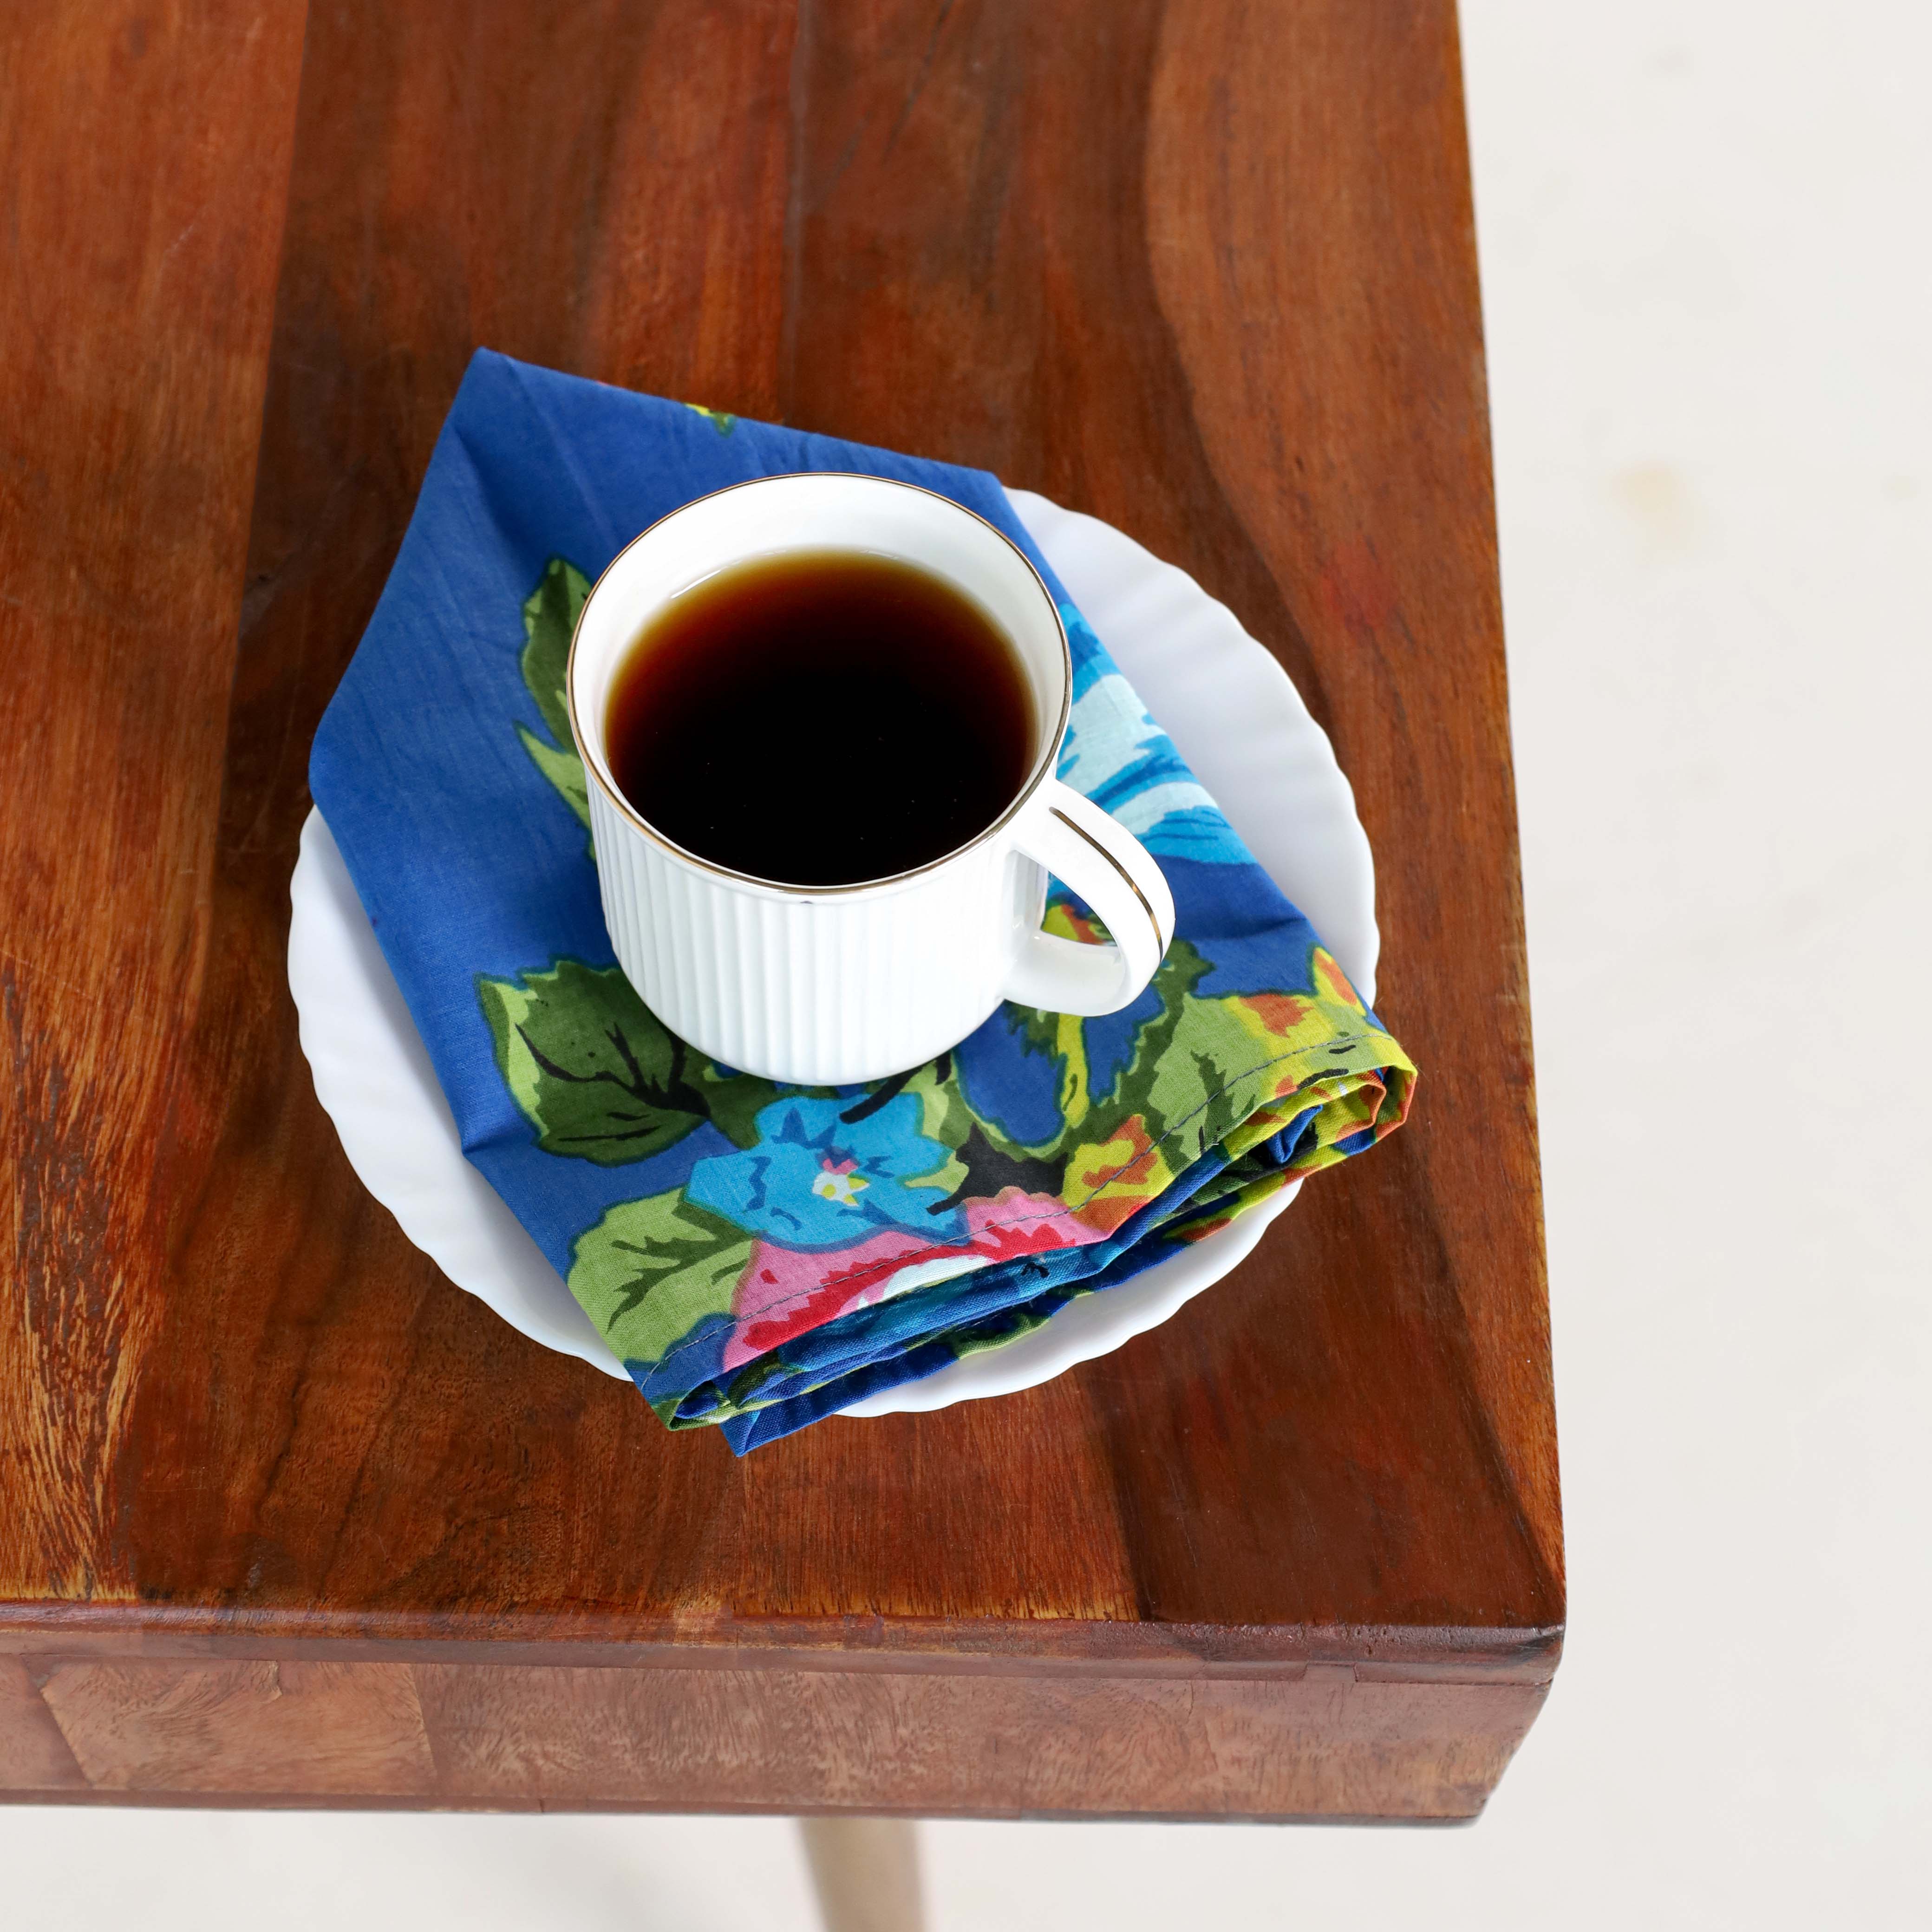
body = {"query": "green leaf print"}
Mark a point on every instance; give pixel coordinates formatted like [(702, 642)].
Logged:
[(565, 770), (550, 616), (551, 613), (732, 1099), (1150, 1084), (652, 1270), (1147, 1085), (594, 1070)]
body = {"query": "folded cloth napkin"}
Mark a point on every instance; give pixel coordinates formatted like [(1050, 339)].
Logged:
[(760, 1256)]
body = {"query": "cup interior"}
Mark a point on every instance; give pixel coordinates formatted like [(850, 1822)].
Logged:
[(817, 512)]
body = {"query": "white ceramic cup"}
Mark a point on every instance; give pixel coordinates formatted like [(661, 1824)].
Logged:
[(827, 985)]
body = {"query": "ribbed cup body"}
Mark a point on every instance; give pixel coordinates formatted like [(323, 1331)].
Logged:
[(821, 989)]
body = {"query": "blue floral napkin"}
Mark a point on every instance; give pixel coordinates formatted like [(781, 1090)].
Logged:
[(760, 1256)]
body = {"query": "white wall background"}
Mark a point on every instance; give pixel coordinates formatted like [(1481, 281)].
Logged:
[(1706, 230)]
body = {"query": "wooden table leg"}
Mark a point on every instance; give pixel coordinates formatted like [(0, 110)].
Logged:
[(866, 1872)]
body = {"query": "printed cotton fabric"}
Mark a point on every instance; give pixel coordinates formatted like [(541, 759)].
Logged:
[(760, 1256)]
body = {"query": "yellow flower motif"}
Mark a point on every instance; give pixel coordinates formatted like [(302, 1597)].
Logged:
[(1108, 1180), (1069, 1038), (839, 1184)]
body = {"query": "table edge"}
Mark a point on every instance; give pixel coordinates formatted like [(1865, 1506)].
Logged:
[(1054, 1647)]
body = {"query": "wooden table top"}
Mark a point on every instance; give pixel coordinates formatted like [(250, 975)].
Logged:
[(284, 1517)]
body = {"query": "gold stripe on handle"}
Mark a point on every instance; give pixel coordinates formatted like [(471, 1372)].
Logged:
[(1127, 878)]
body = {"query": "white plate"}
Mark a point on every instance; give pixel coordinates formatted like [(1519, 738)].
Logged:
[(1236, 720)]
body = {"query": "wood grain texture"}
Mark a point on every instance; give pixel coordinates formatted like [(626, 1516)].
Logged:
[(1316, 1742), (314, 1729), (1374, 495), (1206, 270), (34, 1757), (144, 157)]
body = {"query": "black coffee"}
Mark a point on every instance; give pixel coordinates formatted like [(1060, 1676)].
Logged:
[(820, 718)]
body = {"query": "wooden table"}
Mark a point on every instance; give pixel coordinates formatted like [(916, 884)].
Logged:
[(286, 1519)]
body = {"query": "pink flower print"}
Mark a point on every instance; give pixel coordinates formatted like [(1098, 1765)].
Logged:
[(786, 1291)]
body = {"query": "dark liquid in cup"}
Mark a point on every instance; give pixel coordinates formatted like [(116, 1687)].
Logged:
[(821, 718)]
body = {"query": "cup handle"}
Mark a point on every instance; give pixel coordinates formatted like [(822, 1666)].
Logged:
[(1114, 872)]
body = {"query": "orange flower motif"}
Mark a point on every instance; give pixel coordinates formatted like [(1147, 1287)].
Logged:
[(1301, 1022), (1278, 1013), (1063, 923), (1108, 1180), (1331, 1009), (1331, 982)]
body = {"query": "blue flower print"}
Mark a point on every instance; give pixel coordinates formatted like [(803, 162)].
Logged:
[(816, 1180)]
